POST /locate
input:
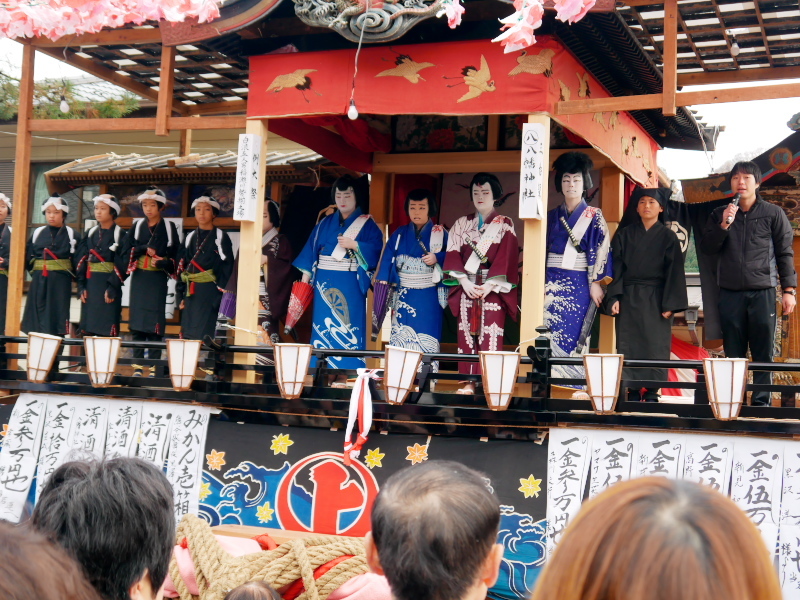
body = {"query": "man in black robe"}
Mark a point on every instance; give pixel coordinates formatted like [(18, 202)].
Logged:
[(649, 287)]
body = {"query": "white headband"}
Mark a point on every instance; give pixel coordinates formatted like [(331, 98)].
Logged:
[(6, 199), (151, 195), (107, 199), (56, 201), (207, 200)]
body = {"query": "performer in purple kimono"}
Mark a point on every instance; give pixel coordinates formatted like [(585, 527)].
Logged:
[(411, 264), (338, 260), (578, 262)]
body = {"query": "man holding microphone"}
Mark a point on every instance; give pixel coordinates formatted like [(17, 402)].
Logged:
[(753, 243)]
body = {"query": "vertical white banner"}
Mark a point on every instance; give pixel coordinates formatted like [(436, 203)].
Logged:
[(55, 439), (708, 460), (613, 459), (568, 459), (246, 189), (187, 442), (153, 441), (532, 172), (789, 522), (20, 454), (124, 419), (660, 454), (757, 483)]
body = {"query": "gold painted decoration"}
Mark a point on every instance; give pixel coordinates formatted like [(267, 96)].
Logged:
[(535, 64)]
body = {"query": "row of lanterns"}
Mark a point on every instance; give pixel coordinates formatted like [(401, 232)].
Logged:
[(726, 378)]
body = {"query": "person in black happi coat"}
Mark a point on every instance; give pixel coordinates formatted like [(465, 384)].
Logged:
[(150, 249), (5, 247), (206, 264), (99, 277), (649, 287), (49, 259)]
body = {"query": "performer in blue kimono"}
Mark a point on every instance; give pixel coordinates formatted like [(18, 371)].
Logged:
[(578, 262), (412, 265), (338, 260)]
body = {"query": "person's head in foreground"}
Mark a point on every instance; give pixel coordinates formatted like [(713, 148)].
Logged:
[(33, 568), (116, 519), (253, 590), (434, 533), (659, 539)]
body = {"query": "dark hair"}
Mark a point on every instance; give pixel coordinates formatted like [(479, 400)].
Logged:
[(423, 194), (574, 162), (653, 538), (434, 526), (747, 167), (346, 182), (274, 212), (33, 567), (494, 183), (114, 517), (253, 590)]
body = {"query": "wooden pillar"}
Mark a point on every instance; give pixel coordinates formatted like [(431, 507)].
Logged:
[(670, 57), (534, 254), (165, 89), (22, 180), (380, 207), (250, 263), (185, 144), (612, 194)]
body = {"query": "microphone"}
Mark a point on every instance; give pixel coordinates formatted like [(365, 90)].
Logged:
[(735, 202)]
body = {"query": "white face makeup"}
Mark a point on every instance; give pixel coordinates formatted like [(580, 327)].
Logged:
[(345, 201), (572, 186), (482, 197)]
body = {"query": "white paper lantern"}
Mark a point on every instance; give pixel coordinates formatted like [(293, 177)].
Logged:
[(101, 358), (291, 368), (499, 377), (42, 351), (400, 371), (726, 379), (603, 375), (182, 357)]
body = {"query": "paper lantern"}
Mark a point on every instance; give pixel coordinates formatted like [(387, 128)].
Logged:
[(182, 357), (400, 371), (499, 377), (726, 379), (42, 352), (101, 358), (603, 375), (291, 368)]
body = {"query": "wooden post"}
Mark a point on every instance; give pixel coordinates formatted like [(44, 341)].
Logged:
[(185, 148), (534, 254), (612, 194), (250, 263), (670, 68), (165, 88), (22, 179)]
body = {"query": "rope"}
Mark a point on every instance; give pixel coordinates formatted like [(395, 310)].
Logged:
[(217, 572)]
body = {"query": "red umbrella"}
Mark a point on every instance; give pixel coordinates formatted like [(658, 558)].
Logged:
[(299, 301)]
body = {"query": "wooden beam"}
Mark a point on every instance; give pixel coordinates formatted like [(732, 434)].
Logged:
[(93, 68), (215, 108), (739, 76), (185, 143), (207, 122), (612, 202), (493, 133), (652, 101), (501, 161), (143, 124), (22, 178), (166, 85), (670, 68), (107, 37)]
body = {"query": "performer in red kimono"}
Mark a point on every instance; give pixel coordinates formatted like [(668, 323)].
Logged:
[(481, 265)]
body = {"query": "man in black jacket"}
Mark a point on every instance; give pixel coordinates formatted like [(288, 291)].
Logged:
[(753, 242)]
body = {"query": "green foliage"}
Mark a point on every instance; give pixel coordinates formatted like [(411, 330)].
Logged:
[(47, 99)]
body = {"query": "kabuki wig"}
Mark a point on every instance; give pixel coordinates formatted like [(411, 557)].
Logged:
[(361, 191), (574, 162), (494, 182)]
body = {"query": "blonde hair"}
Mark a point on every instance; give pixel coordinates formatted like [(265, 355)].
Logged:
[(658, 539)]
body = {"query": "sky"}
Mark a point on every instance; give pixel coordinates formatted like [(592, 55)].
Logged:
[(749, 126)]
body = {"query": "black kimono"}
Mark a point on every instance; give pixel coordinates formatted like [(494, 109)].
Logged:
[(149, 277), (648, 280), (98, 274), (5, 248), (49, 259), (206, 264)]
